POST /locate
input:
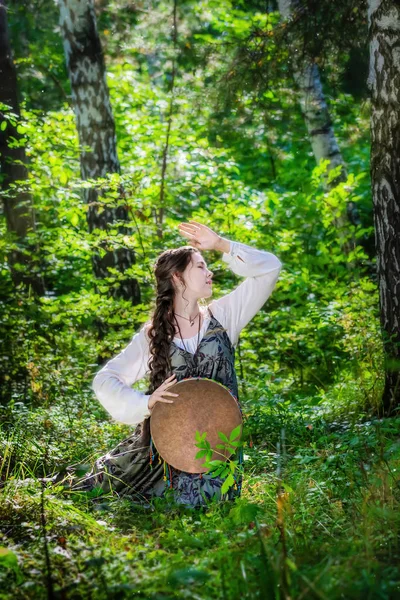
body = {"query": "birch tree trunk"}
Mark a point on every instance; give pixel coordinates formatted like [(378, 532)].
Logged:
[(384, 82), (319, 124), (96, 130), (18, 205)]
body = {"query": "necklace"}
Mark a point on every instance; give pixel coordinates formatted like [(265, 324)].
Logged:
[(198, 334), (191, 321)]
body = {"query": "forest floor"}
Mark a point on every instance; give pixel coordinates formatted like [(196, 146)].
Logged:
[(318, 517)]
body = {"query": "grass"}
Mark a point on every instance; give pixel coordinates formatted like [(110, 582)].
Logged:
[(318, 517)]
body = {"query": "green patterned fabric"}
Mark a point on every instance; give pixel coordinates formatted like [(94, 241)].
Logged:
[(134, 469)]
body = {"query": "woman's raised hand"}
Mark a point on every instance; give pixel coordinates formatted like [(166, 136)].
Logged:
[(200, 236), (157, 395)]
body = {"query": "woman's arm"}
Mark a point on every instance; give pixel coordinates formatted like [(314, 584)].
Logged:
[(261, 269), (112, 383)]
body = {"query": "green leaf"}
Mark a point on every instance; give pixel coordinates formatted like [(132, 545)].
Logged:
[(220, 471), (235, 433), (229, 481), (74, 219), (3, 125), (201, 453), (233, 465), (245, 512), (9, 560), (223, 437)]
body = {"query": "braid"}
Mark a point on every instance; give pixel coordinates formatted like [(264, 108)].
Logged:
[(162, 331)]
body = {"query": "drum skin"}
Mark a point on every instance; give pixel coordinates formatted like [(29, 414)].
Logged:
[(202, 405)]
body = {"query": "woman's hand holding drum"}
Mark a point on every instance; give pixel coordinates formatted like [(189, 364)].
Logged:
[(157, 395)]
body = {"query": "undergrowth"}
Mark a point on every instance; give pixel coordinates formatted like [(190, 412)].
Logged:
[(318, 516)]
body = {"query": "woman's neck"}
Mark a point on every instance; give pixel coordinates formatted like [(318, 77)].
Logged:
[(189, 311)]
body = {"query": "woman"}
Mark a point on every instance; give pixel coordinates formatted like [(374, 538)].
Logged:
[(183, 339)]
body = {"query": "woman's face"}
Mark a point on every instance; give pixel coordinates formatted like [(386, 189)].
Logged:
[(198, 277)]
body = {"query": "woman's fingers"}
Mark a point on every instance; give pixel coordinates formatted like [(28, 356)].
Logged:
[(200, 226), (171, 376), (189, 225), (189, 228), (157, 395), (189, 234), (167, 385)]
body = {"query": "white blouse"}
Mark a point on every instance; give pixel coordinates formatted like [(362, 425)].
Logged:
[(112, 384)]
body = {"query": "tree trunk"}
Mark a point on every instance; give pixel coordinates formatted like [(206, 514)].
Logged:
[(96, 130), (384, 82), (18, 205), (319, 125)]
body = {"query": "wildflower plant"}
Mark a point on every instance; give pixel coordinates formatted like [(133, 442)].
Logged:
[(226, 469)]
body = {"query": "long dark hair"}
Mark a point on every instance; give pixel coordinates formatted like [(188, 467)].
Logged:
[(161, 331), (160, 328)]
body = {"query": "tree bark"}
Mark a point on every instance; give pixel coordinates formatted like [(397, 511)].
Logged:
[(384, 82), (319, 124), (96, 130), (18, 205)]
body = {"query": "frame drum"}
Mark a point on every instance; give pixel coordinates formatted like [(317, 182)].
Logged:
[(202, 405)]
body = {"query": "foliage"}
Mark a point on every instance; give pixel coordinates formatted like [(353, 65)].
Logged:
[(340, 518), (226, 469), (318, 515)]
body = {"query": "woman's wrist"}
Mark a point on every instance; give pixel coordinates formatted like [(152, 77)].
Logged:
[(223, 245)]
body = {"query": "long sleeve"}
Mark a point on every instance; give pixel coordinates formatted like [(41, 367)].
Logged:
[(112, 383), (261, 269)]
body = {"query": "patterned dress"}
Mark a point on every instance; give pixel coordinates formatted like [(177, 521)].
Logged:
[(134, 468)]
